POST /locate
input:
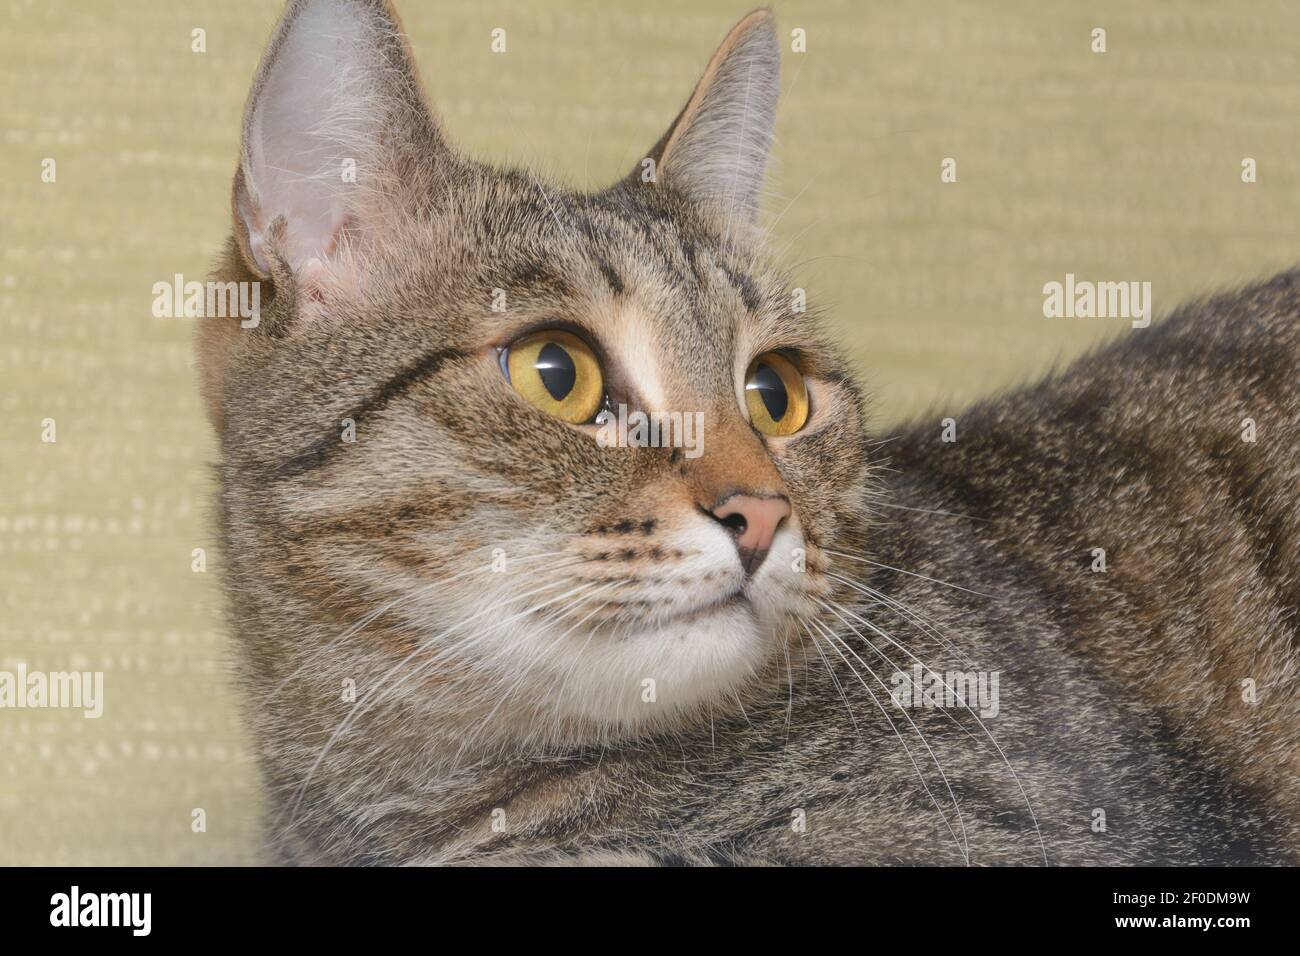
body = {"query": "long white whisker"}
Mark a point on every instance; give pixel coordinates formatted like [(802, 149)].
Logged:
[(925, 511), (964, 842), (400, 599), (1014, 776), (834, 679), (925, 786), (854, 557), (789, 676), (878, 597), (528, 669), (363, 707)]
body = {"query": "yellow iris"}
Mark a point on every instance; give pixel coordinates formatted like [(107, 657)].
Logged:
[(559, 373), (775, 395)]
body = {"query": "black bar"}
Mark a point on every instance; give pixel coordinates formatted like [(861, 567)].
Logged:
[(934, 907)]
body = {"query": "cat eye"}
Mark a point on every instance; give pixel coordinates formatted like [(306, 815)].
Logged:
[(775, 395), (557, 372)]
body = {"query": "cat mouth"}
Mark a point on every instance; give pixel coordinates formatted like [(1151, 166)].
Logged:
[(736, 598)]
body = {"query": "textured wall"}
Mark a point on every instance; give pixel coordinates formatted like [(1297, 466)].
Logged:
[(1118, 166)]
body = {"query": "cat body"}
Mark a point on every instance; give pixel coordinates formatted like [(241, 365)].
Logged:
[(469, 632)]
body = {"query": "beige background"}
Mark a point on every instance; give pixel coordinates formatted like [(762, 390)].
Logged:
[(1117, 166)]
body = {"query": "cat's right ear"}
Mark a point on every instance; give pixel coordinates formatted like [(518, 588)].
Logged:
[(336, 134), (337, 143)]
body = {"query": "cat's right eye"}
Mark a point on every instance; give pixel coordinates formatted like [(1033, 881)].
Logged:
[(558, 372)]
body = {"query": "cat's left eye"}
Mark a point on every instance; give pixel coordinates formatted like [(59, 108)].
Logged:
[(775, 395), (557, 372)]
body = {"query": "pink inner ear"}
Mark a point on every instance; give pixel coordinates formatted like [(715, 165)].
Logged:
[(315, 211), (316, 276), (309, 278)]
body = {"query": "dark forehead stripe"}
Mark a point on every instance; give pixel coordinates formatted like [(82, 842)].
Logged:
[(640, 226), (536, 276), (627, 219), (746, 286), (611, 276), (321, 450), (580, 216)]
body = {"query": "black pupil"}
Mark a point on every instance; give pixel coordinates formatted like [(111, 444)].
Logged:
[(555, 366), (771, 390)]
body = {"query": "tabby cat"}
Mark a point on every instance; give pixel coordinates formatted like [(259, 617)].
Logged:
[(472, 629)]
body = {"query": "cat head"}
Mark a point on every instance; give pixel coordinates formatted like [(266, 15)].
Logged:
[(433, 472)]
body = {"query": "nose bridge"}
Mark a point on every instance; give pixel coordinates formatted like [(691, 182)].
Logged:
[(734, 461)]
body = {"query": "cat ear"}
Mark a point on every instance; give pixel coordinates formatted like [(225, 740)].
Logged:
[(717, 148), (334, 114)]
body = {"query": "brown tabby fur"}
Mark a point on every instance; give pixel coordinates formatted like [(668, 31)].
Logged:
[(1121, 690)]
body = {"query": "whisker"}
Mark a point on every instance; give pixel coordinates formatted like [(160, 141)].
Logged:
[(853, 557), (962, 844), (919, 732), (529, 668), (379, 612), (364, 706), (834, 679), (927, 511), (789, 675), (879, 598), (1014, 776), (572, 669)]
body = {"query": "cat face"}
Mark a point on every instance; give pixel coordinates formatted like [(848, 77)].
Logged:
[(433, 480)]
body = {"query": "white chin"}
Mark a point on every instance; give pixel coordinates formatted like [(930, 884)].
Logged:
[(657, 676)]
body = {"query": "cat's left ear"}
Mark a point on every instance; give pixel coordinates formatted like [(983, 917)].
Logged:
[(716, 151)]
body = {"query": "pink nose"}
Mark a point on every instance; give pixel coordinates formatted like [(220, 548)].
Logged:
[(754, 522)]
